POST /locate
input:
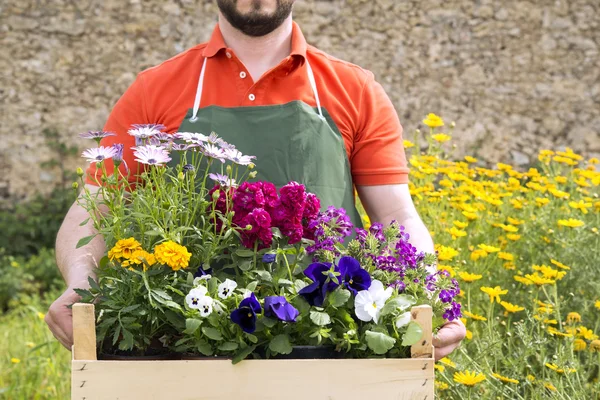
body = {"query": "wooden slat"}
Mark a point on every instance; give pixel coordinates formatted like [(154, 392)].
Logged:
[(380, 379), (84, 332), (423, 316)]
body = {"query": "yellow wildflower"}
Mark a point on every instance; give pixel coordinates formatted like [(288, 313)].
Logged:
[(538, 280), (172, 254), (461, 225), (580, 205), (470, 159), (523, 280), (560, 179), (468, 277), (564, 160), (494, 293), (554, 332), (592, 161), (586, 333), (446, 253), (477, 254), (15, 360), (456, 233), (559, 264), (515, 221), (531, 378), (441, 385), (447, 268), (30, 344), (556, 368), (508, 228), (550, 386), (550, 273), (489, 249), (470, 215), (124, 248), (559, 193), (441, 137), (474, 316), (579, 344), (448, 362), (595, 346), (408, 144), (433, 121), (597, 304), (573, 317), (571, 223), (511, 308), (41, 315), (513, 237), (439, 367), (506, 256), (542, 201), (505, 379), (516, 204), (468, 378)]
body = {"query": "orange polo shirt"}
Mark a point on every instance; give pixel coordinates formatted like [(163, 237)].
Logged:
[(360, 108)]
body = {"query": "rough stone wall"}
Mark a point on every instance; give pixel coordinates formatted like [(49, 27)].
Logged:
[(516, 76)]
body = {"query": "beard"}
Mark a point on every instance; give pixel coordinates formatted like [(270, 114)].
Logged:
[(255, 23)]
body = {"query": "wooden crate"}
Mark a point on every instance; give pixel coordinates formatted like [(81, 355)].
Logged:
[(372, 379)]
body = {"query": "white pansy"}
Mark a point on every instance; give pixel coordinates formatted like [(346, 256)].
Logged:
[(219, 307), (194, 296), (368, 303), (226, 288), (205, 306), (403, 320)]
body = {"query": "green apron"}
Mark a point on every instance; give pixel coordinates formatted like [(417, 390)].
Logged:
[(291, 142)]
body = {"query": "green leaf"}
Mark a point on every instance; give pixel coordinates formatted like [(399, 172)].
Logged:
[(243, 353), (251, 338), (252, 285), (285, 282), (401, 302), (212, 333), (172, 304), (268, 322), (153, 233), (130, 308), (192, 325), (228, 346), (85, 222), (116, 335), (103, 262), (281, 344), (264, 276), (338, 297), (413, 334), (320, 318), (244, 253), (85, 240), (127, 342), (379, 342), (245, 265), (205, 348)]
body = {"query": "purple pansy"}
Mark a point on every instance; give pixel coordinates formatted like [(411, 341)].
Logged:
[(354, 277), (324, 281), (278, 307), (245, 314)]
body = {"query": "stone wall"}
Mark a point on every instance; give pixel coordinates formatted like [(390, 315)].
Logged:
[(515, 75)]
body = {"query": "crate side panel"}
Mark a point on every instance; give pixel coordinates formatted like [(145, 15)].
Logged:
[(254, 379)]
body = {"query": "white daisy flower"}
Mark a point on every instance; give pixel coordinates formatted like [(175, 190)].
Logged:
[(237, 157), (145, 131), (213, 151), (226, 288), (192, 137), (368, 303), (99, 154), (151, 155)]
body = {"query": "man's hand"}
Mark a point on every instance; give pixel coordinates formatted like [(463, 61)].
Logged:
[(60, 317), (448, 338)]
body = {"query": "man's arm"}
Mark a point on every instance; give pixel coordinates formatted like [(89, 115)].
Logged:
[(75, 265), (385, 203)]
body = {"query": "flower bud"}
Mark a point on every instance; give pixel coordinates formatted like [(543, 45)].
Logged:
[(216, 194), (79, 172), (248, 227), (180, 176), (452, 124), (252, 175), (228, 169), (75, 185), (251, 166)]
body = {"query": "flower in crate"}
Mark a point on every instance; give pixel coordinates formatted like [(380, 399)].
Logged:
[(278, 307), (354, 277), (324, 277), (245, 314), (368, 303), (99, 154), (151, 155), (139, 257), (124, 248), (197, 299), (226, 288), (173, 255), (191, 137)]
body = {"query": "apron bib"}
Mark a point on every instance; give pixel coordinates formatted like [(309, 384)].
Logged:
[(291, 142)]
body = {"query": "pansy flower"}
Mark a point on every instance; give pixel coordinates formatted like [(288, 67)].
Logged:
[(226, 288), (354, 277), (325, 279), (278, 307), (245, 314)]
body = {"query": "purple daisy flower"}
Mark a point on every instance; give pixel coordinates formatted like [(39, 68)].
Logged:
[(151, 155), (223, 180), (96, 135), (191, 137), (214, 139), (145, 131), (213, 151), (99, 154), (237, 157)]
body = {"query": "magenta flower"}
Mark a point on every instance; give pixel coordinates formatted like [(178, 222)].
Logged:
[(237, 157), (151, 155), (260, 223), (145, 131), (99, 154)]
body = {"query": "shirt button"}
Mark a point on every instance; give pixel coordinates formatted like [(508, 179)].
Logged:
[(228, 54), (242, 74), (251, 97)]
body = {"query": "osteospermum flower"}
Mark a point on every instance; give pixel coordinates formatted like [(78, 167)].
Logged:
[(172, 254), (145, 131), (96, 135), (237, 157), (151, 155), (571, 223), (124, 248), (505, 379), (191, 137), (212, 151), (468, 378), (223, 180), (99, 154), (494, 293)]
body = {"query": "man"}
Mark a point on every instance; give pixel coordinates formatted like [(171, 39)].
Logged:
[(307, 117)]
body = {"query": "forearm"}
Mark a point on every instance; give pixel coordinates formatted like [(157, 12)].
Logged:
[(76, 265)]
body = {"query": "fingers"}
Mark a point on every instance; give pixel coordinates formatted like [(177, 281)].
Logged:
[(443, 352), (60, 318), (448, 338), (58, 333)]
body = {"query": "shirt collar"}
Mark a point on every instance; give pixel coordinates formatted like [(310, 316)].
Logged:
[(217, 43)]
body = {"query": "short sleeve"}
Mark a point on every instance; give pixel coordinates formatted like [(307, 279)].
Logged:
[(129, 109), (378, 156)]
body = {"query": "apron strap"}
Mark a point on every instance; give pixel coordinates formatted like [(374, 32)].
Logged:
[(194, 117), (311, 80)]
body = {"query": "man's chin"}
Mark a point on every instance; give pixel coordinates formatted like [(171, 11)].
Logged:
[(257, 22)]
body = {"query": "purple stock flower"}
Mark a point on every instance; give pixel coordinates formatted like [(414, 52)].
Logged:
[(324, 281), (99, 154), (245, 314), (377, 230), (446, 296), (399, 285), (453, 312), (354, 277), (278, 307)]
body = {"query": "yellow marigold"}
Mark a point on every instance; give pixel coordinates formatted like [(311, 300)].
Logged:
[(470, 159), (579, 345), (573, 317), (468, 378), (586, 333), (506, 256), (513, 237), (505, 379), (511, 308), (468, 277), (494, 293), (571, 223), (446, 253), (124, 248), (408, 144), (595, 346), (559, 264), (441, 137), (441, 385), (433, 121), (489, 249), (172, 254), (140, 257)]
